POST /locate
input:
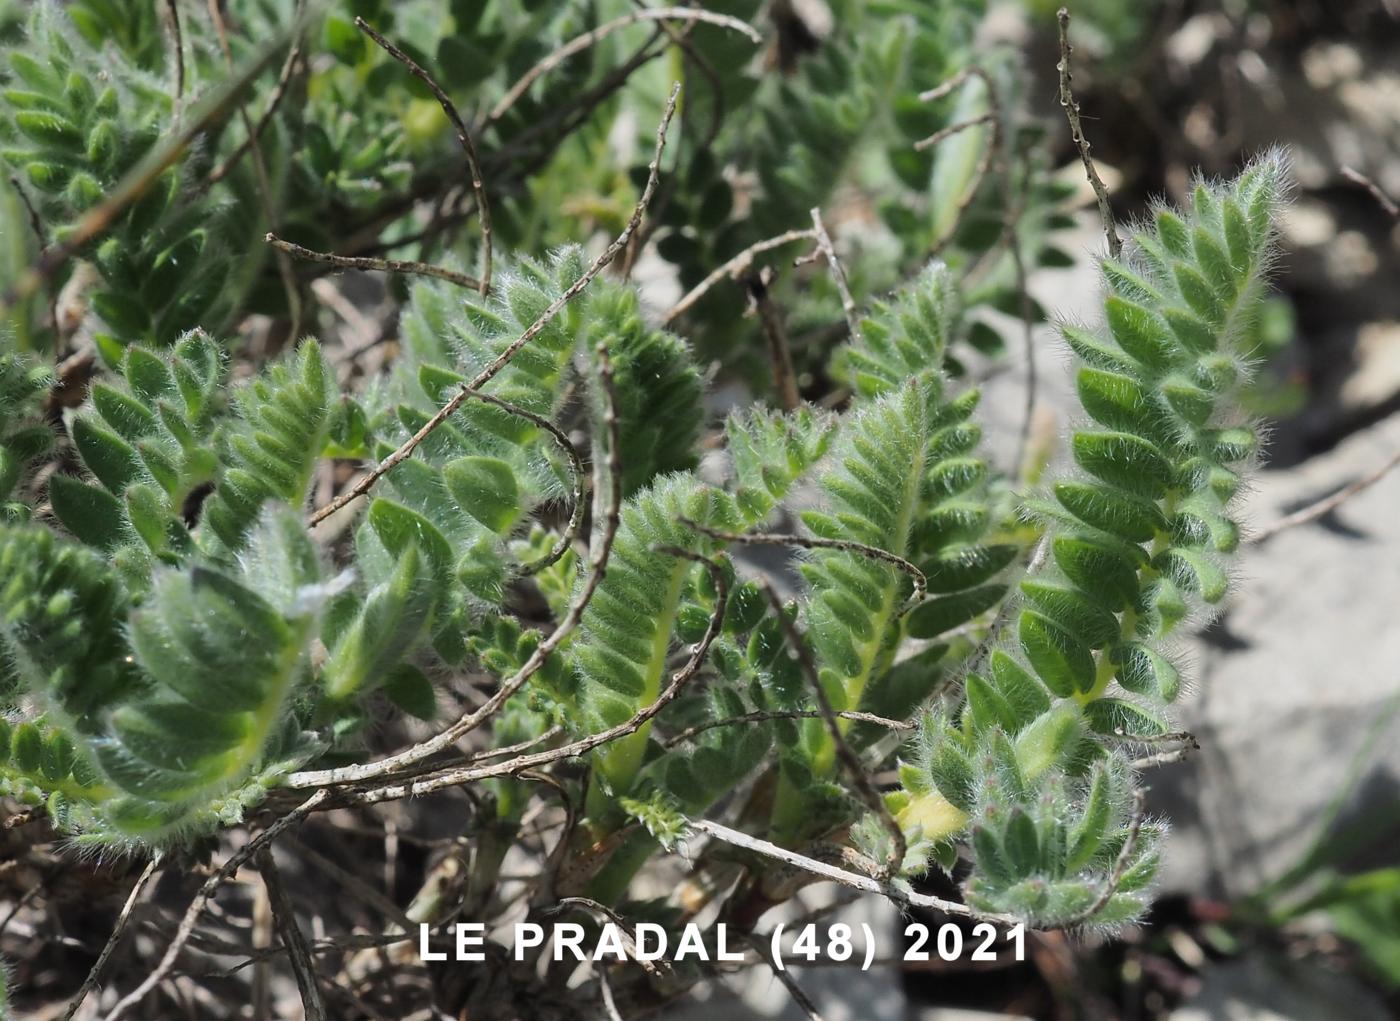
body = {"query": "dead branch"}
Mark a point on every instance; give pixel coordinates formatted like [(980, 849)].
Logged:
[(1326, 505), (298, 951), (854, 880), (206, 892), (808, 542), (463, 136), (503, 359), (95, 972), (363, 262), (734, 269), (582, 42), (1076, 130)]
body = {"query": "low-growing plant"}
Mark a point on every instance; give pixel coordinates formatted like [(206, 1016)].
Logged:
[(244, 580)]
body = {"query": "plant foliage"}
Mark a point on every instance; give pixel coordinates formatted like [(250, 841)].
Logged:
[(238, 559)]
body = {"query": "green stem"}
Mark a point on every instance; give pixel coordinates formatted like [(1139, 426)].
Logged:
[(616, 763), (1104, 665)]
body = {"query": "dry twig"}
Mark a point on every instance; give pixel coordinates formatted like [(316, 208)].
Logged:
[(809, 542), (1327, 504), (206, 892), (1120, 866), (95, 972), (854, 880), (734, 269), (177, 44), (138, 180), (951, 130), (298, 951), (779, 353), (597, 565), (465, 775), (279, 91), (1382, 199), (799, 996), (989, 152), (380, 265), (284, 264), (463, 136), (838, 273), (581, 42), (1076, 130), (765, 715), (561, 546)]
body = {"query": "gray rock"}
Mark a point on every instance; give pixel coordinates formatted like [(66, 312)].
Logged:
[(1258, 989), (840, 992), (1291, 678)]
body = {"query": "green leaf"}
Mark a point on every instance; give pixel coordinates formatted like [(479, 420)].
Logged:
[(935, 616), (410, 690), (1060, 660), (93, 515), (1123, 460), (1120, 514), (1075, 613), (485, 488)]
